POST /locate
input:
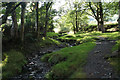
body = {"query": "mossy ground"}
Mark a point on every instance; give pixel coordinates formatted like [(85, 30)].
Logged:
[(14, 56), (115, 61), (68, 62), (91, 36), (12, 63)]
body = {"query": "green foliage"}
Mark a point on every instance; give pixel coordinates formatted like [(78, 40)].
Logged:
[(116, 64), (115, 61), (52, 34), (68, 61), (48, 41), (12, 63), (117, 46), (111, 36), (82, 37)]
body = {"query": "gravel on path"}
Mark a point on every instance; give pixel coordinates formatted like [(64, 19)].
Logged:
[(97, 66)]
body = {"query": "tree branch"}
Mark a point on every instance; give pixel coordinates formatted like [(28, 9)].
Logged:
[(92, 10)]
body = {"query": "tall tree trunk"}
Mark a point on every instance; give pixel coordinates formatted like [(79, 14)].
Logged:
[(15, 25), (46, 21), (37, 25), (22, 20), (76, 22), (98, 19), (46, 17), (101, 18), (119, 16), (119, 28), (73, 28)]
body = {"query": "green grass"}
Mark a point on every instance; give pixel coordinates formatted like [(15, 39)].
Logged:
[(116, 46), (48, 41), (52, 34), (12, 64), (68, 62), (44, 42), (91, 36), (115, 61)]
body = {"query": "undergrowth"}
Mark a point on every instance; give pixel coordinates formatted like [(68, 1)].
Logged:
[(12, 63)]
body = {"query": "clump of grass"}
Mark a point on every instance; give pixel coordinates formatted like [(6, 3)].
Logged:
[(68, 61), (115, 61), (12, 63), (116, 46), (52, 34), (48, 41)]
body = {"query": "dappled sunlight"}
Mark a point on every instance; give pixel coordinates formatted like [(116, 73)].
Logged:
[(71, 33), (56, 30), (66, 29), (1, 65), (43, 38)]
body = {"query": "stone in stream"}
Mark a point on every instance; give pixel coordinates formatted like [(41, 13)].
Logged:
[(32, 63), (33, 72), (49, 51), (43, 52), (30, 69), (98, 43), (97, 51)]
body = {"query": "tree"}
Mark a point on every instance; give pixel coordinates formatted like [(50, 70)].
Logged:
[(47, 5), (37, 17), (23, 5), (9, 9), (15, 25), (119, 18), (97, 11)]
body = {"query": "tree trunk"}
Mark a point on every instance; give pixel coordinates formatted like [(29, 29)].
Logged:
[(119, 16), (98, 25), (37, 25), (22, 21), (73, 28), (101, 18), (46, 21), (15, 25), (76, 22), (97, 18), (46, 17)]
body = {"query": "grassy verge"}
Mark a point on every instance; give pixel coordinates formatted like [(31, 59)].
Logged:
[(115, 61), (12, 63), (52, 34), (68, 62), (91, 36)]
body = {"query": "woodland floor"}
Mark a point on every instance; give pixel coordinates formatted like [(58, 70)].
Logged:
[(97, 66)]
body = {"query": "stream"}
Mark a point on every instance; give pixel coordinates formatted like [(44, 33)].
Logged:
[(36, 69)]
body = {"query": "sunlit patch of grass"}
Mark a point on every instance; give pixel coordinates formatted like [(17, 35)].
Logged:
[(47, 42), (52, 34), (12, 63), (91, 36), (112, 36), (68, 61)]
